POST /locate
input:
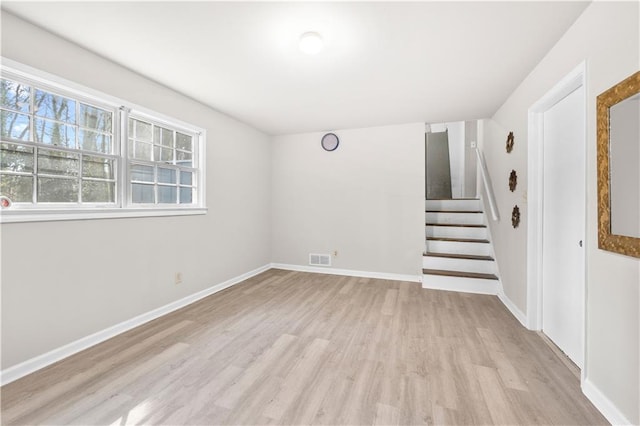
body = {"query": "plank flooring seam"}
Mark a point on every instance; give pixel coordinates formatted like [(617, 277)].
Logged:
[(289, 347)]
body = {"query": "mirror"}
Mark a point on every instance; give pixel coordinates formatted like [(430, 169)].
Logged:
[(618, 115)]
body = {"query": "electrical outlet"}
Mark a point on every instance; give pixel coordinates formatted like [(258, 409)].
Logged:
[(335, 253), (178, 278)]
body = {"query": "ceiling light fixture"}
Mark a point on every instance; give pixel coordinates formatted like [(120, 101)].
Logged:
[(311, 43)]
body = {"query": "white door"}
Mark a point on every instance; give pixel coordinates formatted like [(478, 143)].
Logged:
[(563, 260)]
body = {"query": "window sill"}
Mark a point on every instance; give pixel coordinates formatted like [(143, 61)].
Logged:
[(17, 216)]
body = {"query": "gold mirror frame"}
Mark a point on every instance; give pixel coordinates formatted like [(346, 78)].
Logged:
[(629, 246)]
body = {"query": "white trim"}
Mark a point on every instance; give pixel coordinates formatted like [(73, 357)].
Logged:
[(348, 272), (27, 367), (57, 83), (120, 109), (572, 81), (76, 89), (17, 216), (31, 365), (603, 404), (515, 311), (534, 222)]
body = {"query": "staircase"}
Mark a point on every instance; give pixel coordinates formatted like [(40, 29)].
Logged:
[(458, 255)]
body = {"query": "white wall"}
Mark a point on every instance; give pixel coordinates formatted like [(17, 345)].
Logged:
[(65, 280), (365, 200), (470, 159), (607, 36), (509, 244)]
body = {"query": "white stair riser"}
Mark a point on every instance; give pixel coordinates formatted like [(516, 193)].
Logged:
[(483, 249), (452, 205), (455, 232), (461, 265), (465, 285), (455, 218)]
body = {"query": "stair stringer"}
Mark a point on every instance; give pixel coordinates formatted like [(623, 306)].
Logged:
[(500, 288)]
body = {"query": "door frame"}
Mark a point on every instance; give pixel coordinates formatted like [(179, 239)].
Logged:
[(535, 164)]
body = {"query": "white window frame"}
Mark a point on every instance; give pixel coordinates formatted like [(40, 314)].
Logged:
[(137, 115), (123, 207)]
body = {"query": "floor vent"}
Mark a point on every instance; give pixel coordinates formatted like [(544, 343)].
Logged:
[(319, 259)]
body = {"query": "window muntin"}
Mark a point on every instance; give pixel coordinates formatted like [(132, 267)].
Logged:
[(51, 144), (52, 119), (16, 172), (60, 149), (161, 163)]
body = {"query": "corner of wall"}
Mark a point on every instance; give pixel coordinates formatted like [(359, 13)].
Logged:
[(603, 404)]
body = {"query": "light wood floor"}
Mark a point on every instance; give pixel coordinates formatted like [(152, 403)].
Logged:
[(296, 348)]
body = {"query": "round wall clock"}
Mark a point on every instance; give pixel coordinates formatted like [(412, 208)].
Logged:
[(330, 142)]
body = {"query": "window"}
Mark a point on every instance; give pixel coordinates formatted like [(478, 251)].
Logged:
[(64, 150), (160, 164), (54, 149)]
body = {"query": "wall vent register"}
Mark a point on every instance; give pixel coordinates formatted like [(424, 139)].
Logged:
[(319, 259)]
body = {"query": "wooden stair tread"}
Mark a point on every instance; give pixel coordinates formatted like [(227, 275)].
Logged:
[(460, 274), (453, 211), (458, 240), (463, 225), (459, 256)]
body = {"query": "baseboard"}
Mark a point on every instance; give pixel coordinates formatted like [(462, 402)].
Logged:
[(27, 367), (515, 311), (348, 272), (603, 404)]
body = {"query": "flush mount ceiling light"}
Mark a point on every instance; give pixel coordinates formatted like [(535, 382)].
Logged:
[(311, 43)]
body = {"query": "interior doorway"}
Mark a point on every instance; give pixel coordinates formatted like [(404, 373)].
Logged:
[(438, 166), (450, 160), (557, 215)]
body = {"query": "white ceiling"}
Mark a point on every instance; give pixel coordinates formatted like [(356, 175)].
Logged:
[(384, 63)]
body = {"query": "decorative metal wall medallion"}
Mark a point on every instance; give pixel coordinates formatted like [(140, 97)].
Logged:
[(510, 141), (515, 216), (513, 180)]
